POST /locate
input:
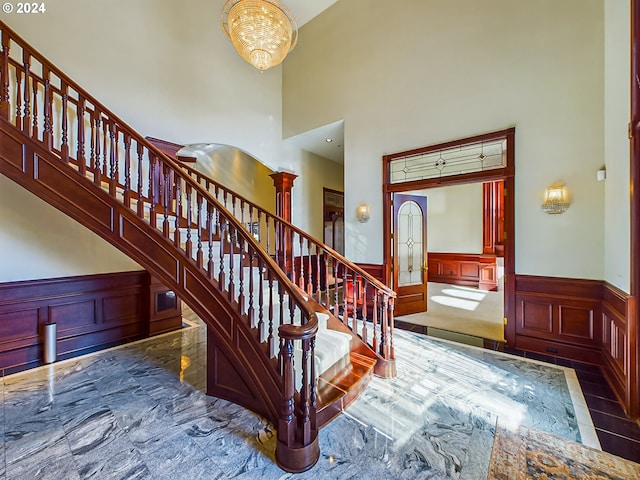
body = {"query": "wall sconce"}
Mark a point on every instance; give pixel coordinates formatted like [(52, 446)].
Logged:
[(556, 200), (362, 213)]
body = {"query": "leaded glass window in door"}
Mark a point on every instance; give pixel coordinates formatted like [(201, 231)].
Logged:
[(410, 248)]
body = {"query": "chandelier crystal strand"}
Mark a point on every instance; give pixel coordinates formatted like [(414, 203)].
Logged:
[(263, 32)]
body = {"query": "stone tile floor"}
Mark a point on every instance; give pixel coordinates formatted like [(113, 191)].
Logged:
[(140, 411)]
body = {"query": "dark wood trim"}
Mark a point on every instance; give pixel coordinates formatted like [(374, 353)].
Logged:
[(634, 328), (170, 149), (506, 174), (466, 269), (493, 217), (91, 312)]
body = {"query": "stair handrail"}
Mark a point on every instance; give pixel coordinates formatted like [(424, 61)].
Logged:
[(354, 301), (303, 431), (356, 268)]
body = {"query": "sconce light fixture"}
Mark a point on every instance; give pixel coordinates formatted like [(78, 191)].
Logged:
[(362, 213), (556, 200)]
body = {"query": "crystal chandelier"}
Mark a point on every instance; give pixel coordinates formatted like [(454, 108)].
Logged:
[(263, 32)]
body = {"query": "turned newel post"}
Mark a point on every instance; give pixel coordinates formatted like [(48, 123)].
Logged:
[(283, 182)]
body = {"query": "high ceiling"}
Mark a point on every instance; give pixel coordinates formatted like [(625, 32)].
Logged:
[(315, 141), (305, 10)]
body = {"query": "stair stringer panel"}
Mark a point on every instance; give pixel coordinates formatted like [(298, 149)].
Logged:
[(257, 385)]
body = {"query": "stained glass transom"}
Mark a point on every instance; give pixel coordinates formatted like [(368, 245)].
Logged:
[(452, 161)]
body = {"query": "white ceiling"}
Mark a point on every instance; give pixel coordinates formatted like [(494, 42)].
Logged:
[(315, 140), (305, 10)]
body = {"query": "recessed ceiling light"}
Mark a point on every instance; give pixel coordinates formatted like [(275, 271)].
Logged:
[(328, 140)]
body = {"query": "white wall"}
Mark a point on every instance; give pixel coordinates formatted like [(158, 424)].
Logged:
[(454, 218), (411, 73), (236, 170), (315, 173), (616, 143), (165, 68), (27, 252)]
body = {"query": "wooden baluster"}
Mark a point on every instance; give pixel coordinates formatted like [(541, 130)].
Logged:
[(364, 311), (127, 170), (270, 340), (166, 206), (345, 296), (354, 300), (80, 153), (26, 114), (199, 252), (304, 429), (313, 383), (64, 146), (309, 270), (5, 98), (139, 184), (300, 281), (261, 331), (105, 148), (292, 312), (97, 176), (221, 272), (297, 273), (18, 99), (259, 222), (325, 267), (140, 179), (252, 231), (188, 247), (251, 286), (318, 291), (383, 327), (153, 219), (48, 101), (34, 129), (374, 334), (113, 160), (267, 227), (210, 264), (232, 241), (176, 231), (286, 425), (241, 247)]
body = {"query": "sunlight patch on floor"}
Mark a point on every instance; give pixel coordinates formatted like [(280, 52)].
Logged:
[(465, 293), (453, 302)]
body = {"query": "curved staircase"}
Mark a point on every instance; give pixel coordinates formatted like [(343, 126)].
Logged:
[(294, 331)]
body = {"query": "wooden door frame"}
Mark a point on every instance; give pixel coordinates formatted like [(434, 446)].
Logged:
[(506, 173)]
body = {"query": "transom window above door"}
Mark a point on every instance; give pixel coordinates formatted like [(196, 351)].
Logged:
[(477, 157)]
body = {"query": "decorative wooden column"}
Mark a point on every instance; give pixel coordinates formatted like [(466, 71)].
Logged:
[(283, 181)]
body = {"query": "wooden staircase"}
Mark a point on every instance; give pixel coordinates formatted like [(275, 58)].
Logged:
[(261, 285)]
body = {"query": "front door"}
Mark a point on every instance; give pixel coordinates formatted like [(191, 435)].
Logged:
[(410, 253)]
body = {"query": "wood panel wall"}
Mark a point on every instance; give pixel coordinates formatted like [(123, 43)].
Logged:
[(91, 312), (584, 320), (471, 270)]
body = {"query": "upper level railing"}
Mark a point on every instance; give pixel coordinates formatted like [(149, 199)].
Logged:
[(52, 110), (362, 302)]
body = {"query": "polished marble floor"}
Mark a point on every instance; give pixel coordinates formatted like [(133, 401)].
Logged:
[(140, 411)]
